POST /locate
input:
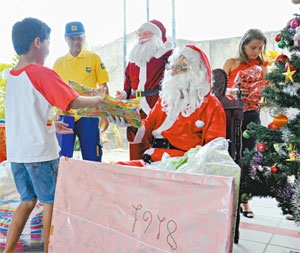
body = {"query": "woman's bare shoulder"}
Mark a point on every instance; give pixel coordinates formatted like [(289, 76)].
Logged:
[(232, 61), (230, 64)]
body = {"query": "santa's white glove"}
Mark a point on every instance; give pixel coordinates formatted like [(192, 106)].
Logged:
[(119, 121)]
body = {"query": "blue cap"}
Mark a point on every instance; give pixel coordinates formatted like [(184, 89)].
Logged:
[(74, 28)]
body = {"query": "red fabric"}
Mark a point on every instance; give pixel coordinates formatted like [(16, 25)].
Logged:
[(184, 134), (233, 74), (251, 78), (136, 151), (42, 79), (161, 27), (137, 163)]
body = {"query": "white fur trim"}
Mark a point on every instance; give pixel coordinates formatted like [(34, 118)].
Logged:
[(190, 53), (168, 44), (148, 26), (161, 52), (199, 124), (139, 135), (149, 151), (143, 77), (144, 105), (164, 126)]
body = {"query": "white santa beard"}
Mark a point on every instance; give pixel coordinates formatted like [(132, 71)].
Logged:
[(181, 89), (140, 54)]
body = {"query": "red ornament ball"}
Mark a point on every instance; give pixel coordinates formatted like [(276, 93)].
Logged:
[(281, 58), (261, 147), (273, 126), (274, 169), (292, 67), (278, 37)]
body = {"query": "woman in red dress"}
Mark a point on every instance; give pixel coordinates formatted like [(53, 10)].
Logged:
[(249, 69)]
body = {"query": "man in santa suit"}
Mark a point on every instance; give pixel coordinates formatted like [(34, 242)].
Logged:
[(144, 71), (185, 115)]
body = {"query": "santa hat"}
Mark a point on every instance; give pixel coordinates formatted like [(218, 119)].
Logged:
[(156, 27), (193, 52)]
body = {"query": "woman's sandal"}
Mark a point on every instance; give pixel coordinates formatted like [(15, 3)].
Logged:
[(247, 214)]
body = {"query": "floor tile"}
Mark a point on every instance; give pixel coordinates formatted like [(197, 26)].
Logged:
[(285, 241), (255, 236), (245, 246), (277, 249)]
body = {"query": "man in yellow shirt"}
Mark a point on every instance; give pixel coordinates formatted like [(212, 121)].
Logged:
[(86, 68)]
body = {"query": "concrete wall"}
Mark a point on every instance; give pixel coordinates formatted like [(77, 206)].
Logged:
[(220, 50)]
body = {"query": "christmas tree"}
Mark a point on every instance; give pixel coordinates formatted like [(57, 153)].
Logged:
[(274, 166)]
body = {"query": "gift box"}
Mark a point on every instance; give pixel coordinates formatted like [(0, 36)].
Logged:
[(128, 109), (32, 234), (2, 142), (111, 208)]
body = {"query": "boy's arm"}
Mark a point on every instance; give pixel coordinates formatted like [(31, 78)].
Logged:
[(84, 101)]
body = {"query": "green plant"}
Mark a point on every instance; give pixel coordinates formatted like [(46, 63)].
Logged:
[(3, 71)]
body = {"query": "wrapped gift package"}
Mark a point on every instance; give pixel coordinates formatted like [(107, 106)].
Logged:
[(128, 109), (103, 207), (32, 234)]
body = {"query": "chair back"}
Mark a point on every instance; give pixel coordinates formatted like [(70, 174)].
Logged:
[(234, 113)]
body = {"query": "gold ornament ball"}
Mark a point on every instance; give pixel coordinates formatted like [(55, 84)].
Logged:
[(280, 120)]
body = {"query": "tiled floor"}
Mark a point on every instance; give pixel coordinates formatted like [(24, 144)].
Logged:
[(268, 231)]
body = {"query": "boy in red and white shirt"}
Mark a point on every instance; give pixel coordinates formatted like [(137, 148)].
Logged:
[(32, 91)]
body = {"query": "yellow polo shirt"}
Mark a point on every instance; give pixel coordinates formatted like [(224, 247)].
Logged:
[(86, 68)]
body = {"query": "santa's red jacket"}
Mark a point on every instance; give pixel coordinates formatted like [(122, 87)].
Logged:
[(205, 124)]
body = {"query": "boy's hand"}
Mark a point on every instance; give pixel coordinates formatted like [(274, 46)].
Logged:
[(62, 128), (100, 92)]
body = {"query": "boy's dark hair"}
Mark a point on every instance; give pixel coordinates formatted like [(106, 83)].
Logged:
[(25, 31)]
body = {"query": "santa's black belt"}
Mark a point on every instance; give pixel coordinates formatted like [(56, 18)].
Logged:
[(159, 143), (146, 93), (162, 143)]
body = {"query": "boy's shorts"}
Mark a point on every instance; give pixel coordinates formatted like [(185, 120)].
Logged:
[(36, 180)]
